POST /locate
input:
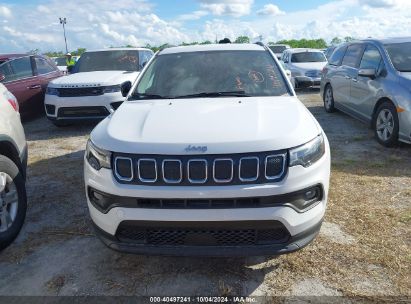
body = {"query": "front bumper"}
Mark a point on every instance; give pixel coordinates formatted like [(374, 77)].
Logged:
[(302, 227), (81, 107), (316, 81), (293, 243)]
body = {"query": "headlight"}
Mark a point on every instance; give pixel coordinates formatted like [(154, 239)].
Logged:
[(308, 153), (96, 157), (52, 91), (112, 89)]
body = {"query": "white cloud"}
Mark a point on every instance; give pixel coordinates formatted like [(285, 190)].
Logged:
[(236, 8), (43, 9), (270, 10), (192, 16), (5, 12), (103, 23)]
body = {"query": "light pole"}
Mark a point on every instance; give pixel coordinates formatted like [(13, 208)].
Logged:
[(63, 21)]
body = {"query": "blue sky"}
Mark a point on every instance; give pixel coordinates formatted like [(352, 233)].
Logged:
[(33, 24)]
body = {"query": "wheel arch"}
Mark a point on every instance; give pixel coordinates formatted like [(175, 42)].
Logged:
[(377, 104), (8, 149)]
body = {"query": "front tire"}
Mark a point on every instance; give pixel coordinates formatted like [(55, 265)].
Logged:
[(386, 124), (329, 99), (13, 201)]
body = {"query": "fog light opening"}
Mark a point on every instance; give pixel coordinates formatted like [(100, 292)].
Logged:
[(94, 163)]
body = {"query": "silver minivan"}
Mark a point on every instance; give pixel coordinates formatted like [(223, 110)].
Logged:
[(371, 81)]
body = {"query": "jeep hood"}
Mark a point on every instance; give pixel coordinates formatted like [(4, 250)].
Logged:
[(97, 78), (224, 125)]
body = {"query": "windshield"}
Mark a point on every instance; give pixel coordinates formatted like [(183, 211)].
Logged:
[(211, 74), (278, 48), (108, 61), (60, 61), (308, 57), (400, 54)]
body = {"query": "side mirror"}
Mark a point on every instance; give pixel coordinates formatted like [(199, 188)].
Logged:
[(371, 73), (2, 77), (125, 88)]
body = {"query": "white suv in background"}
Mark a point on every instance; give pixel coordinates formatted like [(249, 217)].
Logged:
[(13, 163), (305, 65), (211, 154), (92, 90)]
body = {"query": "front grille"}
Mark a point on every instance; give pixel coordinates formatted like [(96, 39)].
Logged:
[(116, 105), (79, 112), (234, 169), (77, 92), (195, 235), (313, 73)]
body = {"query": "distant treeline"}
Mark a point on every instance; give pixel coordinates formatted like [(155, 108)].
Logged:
[(294, 43)]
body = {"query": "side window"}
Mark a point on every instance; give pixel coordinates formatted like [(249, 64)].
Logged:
[(144, 58), (20, 68), (43, 67), (337, 56), (371, 58), (352, 55), (5, 70)]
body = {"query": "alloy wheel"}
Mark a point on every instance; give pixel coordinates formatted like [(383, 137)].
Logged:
[(8, 201), (385, 125)]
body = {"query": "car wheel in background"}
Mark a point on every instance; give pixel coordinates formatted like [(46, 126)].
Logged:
[(13, 201), (386, 124), (328, 99)]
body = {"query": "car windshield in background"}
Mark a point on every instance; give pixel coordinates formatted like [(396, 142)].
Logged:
[(278, 48), (308, 57), (108, 61), (211, 74), (400, 54), (60, 61)]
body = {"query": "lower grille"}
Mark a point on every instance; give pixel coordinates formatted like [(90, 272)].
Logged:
[(83, 112), (183, 235)]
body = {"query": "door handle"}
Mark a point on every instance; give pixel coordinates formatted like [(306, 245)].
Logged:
[(34, 86), (355, 79), (347, 77)]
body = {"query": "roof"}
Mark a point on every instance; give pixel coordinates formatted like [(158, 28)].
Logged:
[(14, 55), (390, 40), (213, 47), (119, 49), (300, 50)]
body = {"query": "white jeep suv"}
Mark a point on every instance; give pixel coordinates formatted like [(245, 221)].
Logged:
[(211, 154), (92, 90), (13, 163)]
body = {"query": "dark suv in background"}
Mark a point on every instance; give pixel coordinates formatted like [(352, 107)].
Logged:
[(371, 81), (27, 77)]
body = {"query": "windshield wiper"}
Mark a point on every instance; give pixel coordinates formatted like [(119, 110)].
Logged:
[(147, 96), (215, 94)]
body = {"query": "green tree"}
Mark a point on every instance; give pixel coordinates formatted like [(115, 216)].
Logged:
[(349, 39), (336, 41), (242, 39)]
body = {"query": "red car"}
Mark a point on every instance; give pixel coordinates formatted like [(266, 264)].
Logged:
[(27, 77)]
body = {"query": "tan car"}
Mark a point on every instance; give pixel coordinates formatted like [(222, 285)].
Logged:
[(13, 163)]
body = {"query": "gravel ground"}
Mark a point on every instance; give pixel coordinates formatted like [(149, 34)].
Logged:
[(363, 248)]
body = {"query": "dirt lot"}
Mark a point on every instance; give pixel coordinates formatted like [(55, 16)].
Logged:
[(363, 248)]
